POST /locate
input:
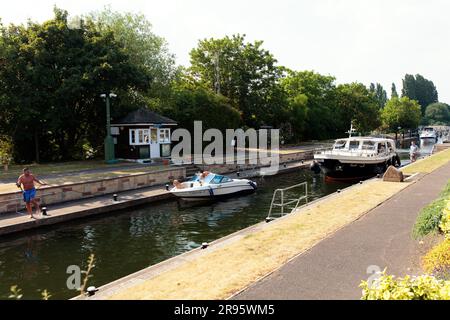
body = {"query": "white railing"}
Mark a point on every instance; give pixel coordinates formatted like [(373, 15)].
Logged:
[(287, 205), (353, 152)]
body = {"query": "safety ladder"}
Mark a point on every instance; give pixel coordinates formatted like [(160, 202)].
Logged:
[(287, 205)]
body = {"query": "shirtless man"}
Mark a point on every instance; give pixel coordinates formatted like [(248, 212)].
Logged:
[(29, 191)]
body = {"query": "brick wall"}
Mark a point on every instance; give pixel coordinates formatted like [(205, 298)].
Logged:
[(10, 202)]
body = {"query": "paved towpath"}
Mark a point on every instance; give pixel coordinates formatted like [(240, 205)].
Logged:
[(334, 268)]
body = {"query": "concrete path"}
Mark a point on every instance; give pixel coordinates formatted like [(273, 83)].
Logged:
[(334, 268)]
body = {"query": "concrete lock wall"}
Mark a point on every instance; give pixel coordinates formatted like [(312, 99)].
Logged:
[(12, 202), (284, 158)]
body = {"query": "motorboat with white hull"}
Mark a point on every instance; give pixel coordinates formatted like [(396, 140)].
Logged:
[(212, 186), (357, 158), (428, 133)]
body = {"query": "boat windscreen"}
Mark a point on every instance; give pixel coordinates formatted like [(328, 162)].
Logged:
[(368, 145), (340, 144), (209, 178), (195, 178), (217, 179)]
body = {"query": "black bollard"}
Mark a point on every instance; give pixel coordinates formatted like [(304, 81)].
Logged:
[(115, 197), (44, 211)]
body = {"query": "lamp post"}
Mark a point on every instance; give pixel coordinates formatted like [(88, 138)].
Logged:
[(109, 141)]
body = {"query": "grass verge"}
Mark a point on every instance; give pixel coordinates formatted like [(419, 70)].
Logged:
[(428, 164), (429, 217)]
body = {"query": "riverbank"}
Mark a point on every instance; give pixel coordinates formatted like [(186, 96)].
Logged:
[(258, 250)]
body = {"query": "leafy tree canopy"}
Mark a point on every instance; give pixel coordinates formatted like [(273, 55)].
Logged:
[(401, 112), (52, 81), (420, 89), (144, 48), (243, 72), (437, 114), (358, 106)]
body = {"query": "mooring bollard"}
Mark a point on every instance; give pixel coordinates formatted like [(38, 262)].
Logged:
[(205, 245), (167, 187), (44, 211), (238, 174), (91, 291), (115, 197)]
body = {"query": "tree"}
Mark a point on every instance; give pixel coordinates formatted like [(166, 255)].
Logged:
[(6, 151), (52, 80), (359, 106), (437, 114), (401, 112), (192, 104), (394, 93), (379, 93), (243, 72), (311, 104), (144, 48), (420, 89)]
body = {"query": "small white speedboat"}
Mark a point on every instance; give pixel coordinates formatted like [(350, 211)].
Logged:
[(428, 133), (212, 186)]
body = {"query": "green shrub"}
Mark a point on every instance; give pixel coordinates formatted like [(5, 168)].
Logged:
[(444, 225), (424, 287), (430, 217), (437, 260)]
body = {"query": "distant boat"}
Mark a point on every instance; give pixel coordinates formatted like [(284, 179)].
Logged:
[(428, 133), (212, 186), (357, 158)]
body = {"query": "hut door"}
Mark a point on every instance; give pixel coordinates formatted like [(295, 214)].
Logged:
[(154, 144)]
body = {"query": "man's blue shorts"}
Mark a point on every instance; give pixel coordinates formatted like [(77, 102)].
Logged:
[(29, 195)]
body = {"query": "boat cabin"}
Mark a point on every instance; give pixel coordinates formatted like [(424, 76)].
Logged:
[(142, 135), (364, 145)]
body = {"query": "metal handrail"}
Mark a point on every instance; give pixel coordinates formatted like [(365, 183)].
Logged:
[(286, 202)]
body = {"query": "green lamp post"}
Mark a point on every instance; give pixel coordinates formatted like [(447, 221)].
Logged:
[(109, 141)]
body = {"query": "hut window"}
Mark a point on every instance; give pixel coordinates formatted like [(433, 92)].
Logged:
[(139, 136), (132, 137), (164, 135)]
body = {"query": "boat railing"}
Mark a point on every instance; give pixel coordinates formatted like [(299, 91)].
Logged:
[(281, 199), (354, 152)]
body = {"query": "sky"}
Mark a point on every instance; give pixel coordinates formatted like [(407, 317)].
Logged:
[(353, 40)]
